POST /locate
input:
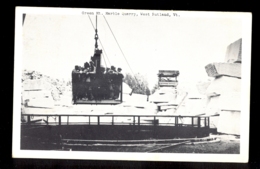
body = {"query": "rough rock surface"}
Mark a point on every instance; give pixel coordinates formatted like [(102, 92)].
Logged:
[(32, 80)]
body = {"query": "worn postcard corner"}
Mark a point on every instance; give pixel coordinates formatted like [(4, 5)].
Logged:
[(145, 85)]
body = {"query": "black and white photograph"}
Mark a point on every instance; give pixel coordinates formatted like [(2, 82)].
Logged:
[(116, 84)]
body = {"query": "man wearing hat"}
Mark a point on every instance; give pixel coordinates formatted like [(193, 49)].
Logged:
[(75, 82), (86, 66), (118, 82), (112, 74), (92, 67), (113, 68), (119, 72), (107, 69), (106, 79)]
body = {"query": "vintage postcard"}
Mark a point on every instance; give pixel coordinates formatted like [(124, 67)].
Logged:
[(140, 85)]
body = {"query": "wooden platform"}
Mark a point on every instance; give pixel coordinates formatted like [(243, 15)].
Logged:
[(98, 102)]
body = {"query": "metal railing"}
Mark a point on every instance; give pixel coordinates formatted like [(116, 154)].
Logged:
[(111, 119)]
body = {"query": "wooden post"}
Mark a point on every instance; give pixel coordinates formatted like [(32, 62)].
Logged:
[(154, 125), (59, 120), (29, 119), (192, 122), (98, 119), (176, 122), (121, 94), (68, 120), (198, 122), (159, 108), (208, 123), (112, 120), (134, 121), (205, 122), (138, 123), (88, 120)]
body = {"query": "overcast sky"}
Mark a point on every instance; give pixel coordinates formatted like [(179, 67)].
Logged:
[(54, 44)]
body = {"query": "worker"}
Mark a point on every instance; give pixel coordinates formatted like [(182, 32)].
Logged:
[(107, 70), (110, 86), (119, 73), (75, 83), (88, 87), (92, 67), (106, 83), (118, 82), (87, 66), (81, 88), (87, 81), (113, 68), (101, 84)]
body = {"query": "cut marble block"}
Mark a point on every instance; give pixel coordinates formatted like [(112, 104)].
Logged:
[(224, 93), (202, 87), (224, 85), (224, 69), (234, 52), (228, 102), (229, 122)]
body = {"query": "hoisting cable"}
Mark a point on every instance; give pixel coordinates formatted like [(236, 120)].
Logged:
[(122, 52), (104, 52), (101, 44)]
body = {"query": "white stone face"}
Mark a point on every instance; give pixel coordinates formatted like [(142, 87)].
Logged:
[(224, 85), (234, 52), (227, 94), (229, 122)]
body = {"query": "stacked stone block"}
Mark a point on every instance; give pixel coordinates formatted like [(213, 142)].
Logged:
[(224, 91)]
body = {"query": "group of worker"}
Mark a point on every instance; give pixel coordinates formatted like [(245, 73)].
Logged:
[(88, 83)]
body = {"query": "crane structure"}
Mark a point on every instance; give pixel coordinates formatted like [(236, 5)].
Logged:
[(94, 84)]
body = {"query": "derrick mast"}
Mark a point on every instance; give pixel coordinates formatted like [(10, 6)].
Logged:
[(97, 52)]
